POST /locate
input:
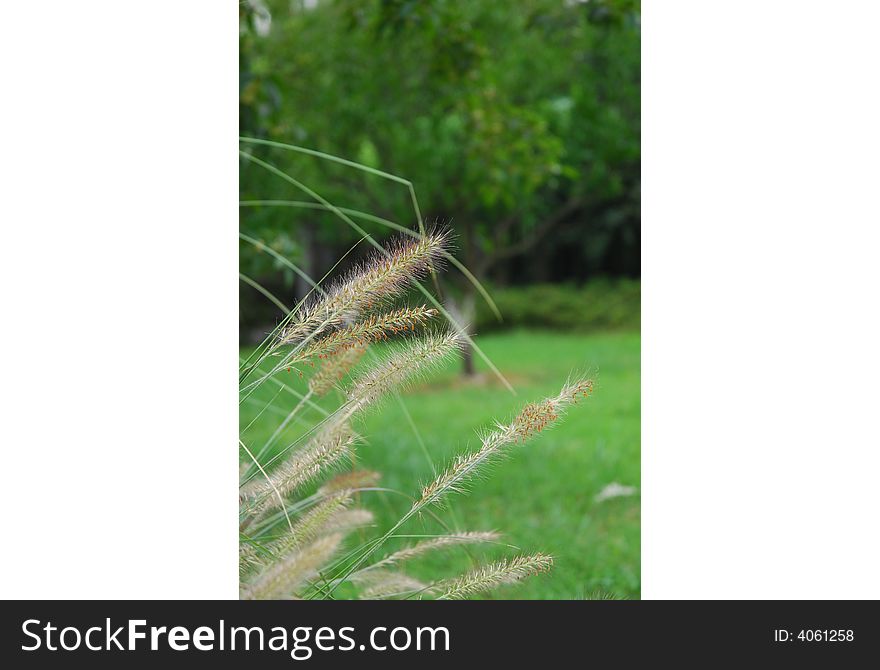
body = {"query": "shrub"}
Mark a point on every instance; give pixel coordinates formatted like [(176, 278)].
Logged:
[(602, 304)]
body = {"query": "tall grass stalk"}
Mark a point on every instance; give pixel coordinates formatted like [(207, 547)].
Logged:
[(299, 507)]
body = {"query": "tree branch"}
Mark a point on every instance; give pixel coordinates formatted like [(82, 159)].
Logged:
[(528, 242)]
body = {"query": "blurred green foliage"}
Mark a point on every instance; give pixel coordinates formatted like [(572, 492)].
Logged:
[(518, 123), (600, 305), (543, 498)]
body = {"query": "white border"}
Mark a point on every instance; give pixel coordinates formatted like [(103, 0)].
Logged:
[(760, 300), (120, 292), (760, 366)]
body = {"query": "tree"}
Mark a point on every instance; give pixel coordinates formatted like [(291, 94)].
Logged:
[(518, 123)]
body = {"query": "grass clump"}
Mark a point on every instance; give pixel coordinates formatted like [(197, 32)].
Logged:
[(294, 542)]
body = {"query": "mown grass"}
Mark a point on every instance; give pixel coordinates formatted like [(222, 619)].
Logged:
[(543, 497)]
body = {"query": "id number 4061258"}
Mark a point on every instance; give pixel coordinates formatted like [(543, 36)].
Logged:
[(813, 635)]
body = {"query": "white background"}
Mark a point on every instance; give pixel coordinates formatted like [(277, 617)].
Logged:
[(760, 356), (120, 288), (760, 282)]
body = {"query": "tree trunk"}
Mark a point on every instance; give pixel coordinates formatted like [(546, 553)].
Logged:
[(467, 359), (309, 262), (463, 313)]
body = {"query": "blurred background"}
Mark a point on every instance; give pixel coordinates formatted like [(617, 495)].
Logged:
[(517, 124)]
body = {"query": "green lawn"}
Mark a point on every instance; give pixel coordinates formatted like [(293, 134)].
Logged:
[(542, 497)]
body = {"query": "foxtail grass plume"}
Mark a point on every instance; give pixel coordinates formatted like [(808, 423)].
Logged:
[(434, 544), (380, 278), (488, 577), (370, 329), (250, 556), (329, 516), (312, 523), (382, 584), (323, 451), (404, 366), (334, 368), (335, 330), (348, 520), (282, 578), (354, 480), (533, 418)]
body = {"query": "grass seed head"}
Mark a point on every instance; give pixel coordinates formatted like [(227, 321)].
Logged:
[(383, 584), (382, 277), (357, 479), (532, 419), (334, 368), (322, 452), (373, 328), (488, 577), (403, 366), (281, 578), (438, 543)]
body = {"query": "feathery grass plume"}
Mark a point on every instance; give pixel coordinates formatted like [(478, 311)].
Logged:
[(334, 368), (442, 542), (348, 520), (249, 491), (357, 479), (323, 451), (336, 327), (533, 418), (599, 594), (248, 558), (326, 520), (491, 576), (403, 366), (281, 579), (311, 524), (370, 329), (379, 584), (383, 276)]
